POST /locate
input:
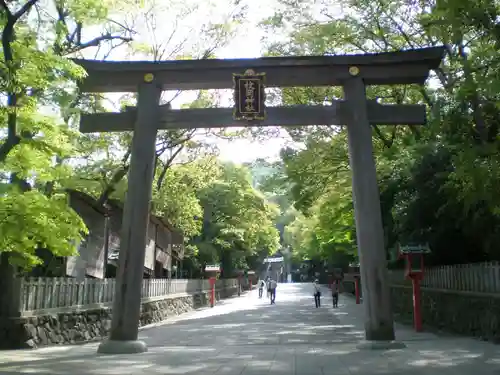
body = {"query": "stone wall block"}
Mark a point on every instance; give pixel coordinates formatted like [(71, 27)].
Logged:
[(92, 325), (468, 314)]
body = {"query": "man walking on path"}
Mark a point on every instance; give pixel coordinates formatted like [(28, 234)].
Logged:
[(317, 293), (272, 290)]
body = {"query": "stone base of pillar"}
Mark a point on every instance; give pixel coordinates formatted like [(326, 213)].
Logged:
[(380, 345), (122, 347)]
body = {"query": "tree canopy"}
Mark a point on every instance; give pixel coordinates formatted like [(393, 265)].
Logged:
[(437, 183), (238, 223), (42, 154)]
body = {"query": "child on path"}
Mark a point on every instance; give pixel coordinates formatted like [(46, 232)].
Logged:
[(335, 294), (262, 284), (317, 293)]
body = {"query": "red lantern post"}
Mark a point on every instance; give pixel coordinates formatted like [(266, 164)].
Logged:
[(417, 312), (357, 290), (212, 271), (414, 270)]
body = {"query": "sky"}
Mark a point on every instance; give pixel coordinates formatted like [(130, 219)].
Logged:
[(246, 44)]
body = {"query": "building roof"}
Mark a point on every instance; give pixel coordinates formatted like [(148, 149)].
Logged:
[(114, 203)]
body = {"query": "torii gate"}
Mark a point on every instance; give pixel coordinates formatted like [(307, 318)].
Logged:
[(352, 72)]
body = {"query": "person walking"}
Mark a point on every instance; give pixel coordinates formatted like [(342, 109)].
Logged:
[(317, 293), (267, 286), (262, 285), (335, 293), (272, 284)]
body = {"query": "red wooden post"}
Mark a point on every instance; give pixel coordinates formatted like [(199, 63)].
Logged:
[(212, 270), (414, 256), (356, 290), (212, 291), (417, 312), (250, 281)]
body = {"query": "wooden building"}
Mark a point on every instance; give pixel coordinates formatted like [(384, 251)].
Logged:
[(98, 253)]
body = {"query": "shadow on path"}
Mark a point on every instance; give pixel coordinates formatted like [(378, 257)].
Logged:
[(247, 335)]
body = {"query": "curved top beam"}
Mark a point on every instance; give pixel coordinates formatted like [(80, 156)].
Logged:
[(401, 67)]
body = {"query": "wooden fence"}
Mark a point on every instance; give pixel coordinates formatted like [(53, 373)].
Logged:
[(43, 293), (475, 277)]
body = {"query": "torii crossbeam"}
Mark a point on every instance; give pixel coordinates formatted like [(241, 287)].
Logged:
[(353, 72), (337, 113)]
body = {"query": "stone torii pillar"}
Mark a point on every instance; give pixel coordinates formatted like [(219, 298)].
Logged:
[(379, 322), (127, 298)]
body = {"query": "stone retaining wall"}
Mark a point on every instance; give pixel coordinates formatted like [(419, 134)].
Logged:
[(92, 324), (465, 313)]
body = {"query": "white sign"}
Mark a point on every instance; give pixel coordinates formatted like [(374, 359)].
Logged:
[(415, 249), (273, 260), (212, 268)]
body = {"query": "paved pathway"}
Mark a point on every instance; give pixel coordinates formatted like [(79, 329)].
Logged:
[(247, 336)]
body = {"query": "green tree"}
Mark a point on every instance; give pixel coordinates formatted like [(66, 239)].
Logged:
[(436, 183), (238, 223), (36, 75)]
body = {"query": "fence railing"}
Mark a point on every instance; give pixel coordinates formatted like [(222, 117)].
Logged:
[(474, 277), (43, 293)]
